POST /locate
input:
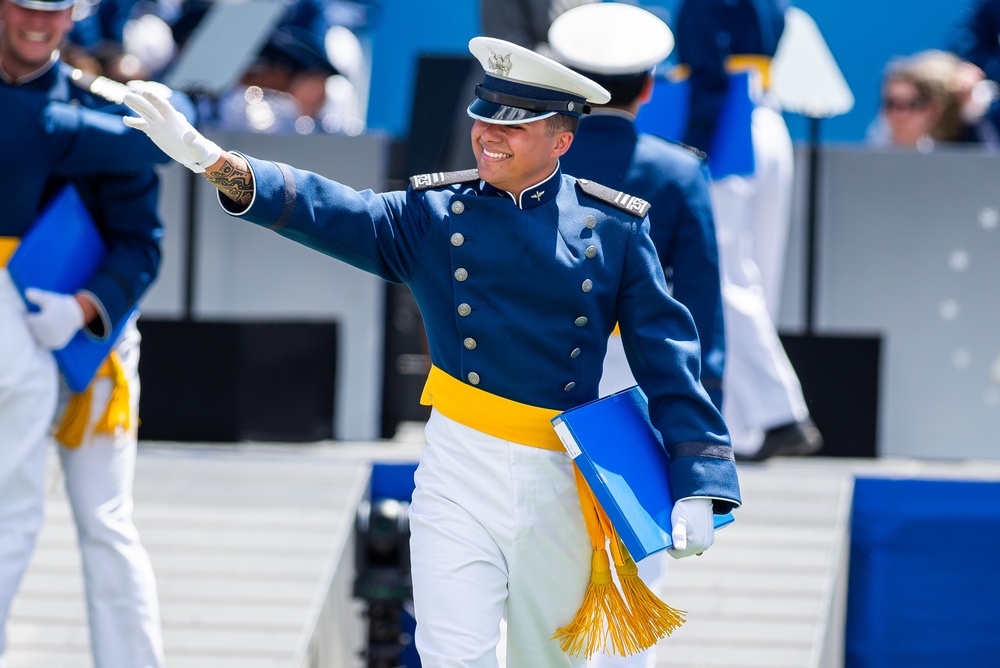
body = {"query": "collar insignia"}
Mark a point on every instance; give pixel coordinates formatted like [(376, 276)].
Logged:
[(499, 64), (538, 195)]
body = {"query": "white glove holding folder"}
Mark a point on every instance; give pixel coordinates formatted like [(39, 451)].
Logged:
[(693, 527), (57, 320)]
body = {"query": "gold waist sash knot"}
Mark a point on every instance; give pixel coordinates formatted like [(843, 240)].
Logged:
[(622, 621)]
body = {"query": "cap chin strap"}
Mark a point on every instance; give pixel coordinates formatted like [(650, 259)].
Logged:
[(531, 104)]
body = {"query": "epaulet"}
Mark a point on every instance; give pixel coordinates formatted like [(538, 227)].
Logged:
[(701, 155), (627, 203), (103, 87), (441, 179)]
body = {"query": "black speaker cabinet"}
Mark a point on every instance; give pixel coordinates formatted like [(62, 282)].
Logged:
[(840, 381), (237, 381)]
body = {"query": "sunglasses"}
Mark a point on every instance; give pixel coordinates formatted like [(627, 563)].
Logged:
[(900, 104)]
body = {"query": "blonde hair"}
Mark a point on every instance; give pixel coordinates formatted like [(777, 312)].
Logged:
[(934, 74)]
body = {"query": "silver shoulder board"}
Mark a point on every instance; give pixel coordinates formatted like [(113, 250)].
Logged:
[(630, 204), (442, 179)]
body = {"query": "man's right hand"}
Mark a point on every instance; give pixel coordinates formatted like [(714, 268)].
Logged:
[(169, 130)]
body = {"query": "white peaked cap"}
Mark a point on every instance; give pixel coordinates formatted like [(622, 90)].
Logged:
[(610, 39), (522, 86)]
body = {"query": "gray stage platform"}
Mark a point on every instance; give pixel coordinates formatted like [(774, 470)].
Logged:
[(252, 550)]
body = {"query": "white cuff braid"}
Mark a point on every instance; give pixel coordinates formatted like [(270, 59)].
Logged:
[(169, 130)]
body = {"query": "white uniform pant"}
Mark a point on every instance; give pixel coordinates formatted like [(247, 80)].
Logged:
[(122, 605), (496, 533), (29, 386), (752, 216)]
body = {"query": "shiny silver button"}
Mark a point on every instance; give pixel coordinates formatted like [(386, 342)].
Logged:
[(473, 377), (590, 222), (464, 309), (461, 274), (470, 343), (457, 239), (579, 322), (591, 252), (574, 353), (457, 207), (587, 285), (569, 387)]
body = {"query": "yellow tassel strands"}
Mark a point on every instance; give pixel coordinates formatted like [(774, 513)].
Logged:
[(117, 414), (607, 621)]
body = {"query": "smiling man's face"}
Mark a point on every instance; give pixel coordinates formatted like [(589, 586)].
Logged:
[(29, 36), (514, 157)]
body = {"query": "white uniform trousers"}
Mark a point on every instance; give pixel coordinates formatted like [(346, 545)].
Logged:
[(652, 570), (123, 611), (496, 533), (29, 385), (752, 216), (122, 604)]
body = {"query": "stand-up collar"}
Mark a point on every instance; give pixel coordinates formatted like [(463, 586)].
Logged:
[(32, 76), (531, 196)]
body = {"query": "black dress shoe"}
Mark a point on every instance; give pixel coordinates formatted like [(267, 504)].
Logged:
[(795, 439)]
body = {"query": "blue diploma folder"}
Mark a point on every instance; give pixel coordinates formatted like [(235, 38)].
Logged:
[(60, 253), (666, 115), (622, 457)]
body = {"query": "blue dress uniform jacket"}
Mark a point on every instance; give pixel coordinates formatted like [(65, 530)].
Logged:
[(123, 205), (519, 301), (61, 140), (707, 33), (674, 180)]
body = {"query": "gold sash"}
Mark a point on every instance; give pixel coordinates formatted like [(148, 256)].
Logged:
[(7, 247)]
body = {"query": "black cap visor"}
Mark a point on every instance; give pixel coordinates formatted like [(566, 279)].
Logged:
[(507, 106), (491, 112)]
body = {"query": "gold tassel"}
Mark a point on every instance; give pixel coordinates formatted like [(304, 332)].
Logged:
[(74, 422), (601, 623), (654, 618), (117, 413)]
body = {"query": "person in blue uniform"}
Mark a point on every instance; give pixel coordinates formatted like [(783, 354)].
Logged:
[(521, 272), (96, 428), (672, 177), (763, 402), (617, 46)]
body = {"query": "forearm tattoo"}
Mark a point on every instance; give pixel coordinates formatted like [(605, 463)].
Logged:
[(234, 179)]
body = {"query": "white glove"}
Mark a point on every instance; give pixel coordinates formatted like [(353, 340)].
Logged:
[(58, 319), (169, 130), (140, 86), (693, 527)]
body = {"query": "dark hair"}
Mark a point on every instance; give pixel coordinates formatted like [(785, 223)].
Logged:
[(561, 123), (624, 88)]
